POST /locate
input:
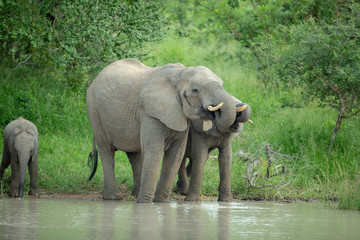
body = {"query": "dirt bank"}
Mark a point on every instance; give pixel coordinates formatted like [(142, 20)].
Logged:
[(97, 196)]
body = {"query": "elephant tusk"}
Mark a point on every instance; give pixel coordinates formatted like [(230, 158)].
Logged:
[(213, 109), (207, 125), (250, 121), (240, 109)]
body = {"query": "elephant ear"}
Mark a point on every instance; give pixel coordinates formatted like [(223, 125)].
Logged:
[(36, 150), (159, 99), (31, 132), (17, 131)]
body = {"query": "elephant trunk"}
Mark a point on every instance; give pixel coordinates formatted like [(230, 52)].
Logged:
[(243, 115), (21, 189), (225, 116), (23, 165)]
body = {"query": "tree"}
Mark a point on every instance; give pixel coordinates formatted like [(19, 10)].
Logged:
[(24, 32), (79, 33), (325, 58), (253, 23)]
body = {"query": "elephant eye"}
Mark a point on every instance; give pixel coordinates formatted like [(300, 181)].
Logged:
[(195, 90)]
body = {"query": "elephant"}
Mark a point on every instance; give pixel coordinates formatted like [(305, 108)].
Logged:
[(199, 145), (21, 147), (146, 112)]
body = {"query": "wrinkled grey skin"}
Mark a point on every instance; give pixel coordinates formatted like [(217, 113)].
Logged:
[(145, 112), (21, 147), (200, 144)]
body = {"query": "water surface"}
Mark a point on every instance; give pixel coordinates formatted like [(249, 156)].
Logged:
[(31, 218)]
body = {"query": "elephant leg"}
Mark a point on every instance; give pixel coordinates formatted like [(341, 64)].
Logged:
[(183, 181), (199, 156), (189, 167), (4, 163), (171, 163), (33, 173), (15, 179), (152, 135), (136, 165), (225, 162), (107, 155)]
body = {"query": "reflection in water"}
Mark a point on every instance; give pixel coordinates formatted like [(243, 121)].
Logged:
[(81, 219), (20, 221)]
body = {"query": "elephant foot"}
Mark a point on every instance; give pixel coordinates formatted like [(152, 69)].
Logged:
[(162, 199), (34, 192), (182, 187), (192, 198), (141, 200), (14, 192), (227, 198), (145, 196), (13, 195), (116, 196)]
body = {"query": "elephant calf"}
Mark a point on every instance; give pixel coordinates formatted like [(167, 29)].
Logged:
[(21, 148), (199, 145)]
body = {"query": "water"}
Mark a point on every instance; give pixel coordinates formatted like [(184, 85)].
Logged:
[(31, 218)]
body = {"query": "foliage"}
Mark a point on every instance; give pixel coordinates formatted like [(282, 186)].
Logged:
[(350, 194), (318, 55), (311, 44), (77, 34), (24, 31), (104, 31), (43, 97), (325, 59), (256, 23)]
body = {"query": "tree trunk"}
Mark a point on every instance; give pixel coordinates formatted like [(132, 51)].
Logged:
[(337, 125)]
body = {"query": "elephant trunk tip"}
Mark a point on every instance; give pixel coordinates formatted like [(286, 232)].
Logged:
[(21, 190)]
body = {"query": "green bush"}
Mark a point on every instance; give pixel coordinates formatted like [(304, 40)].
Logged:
[(70, 34)]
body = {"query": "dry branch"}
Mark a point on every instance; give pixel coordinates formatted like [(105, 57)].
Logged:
[(254, 174)]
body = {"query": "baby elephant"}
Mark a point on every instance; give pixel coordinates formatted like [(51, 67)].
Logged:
[(201, 141), (21, 148)]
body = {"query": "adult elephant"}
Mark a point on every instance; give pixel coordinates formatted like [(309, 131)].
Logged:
[(145, 112), (199, 145)]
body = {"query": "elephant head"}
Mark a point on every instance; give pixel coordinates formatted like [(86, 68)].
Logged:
[(25, 150), (176, 93), (242, 113)]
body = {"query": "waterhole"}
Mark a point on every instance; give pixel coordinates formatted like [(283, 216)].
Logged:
[(31, 218)]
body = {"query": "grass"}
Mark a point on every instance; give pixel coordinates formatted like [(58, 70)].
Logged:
[(282, 118)]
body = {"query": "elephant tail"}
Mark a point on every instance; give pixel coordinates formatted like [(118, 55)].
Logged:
[(93, 160)]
